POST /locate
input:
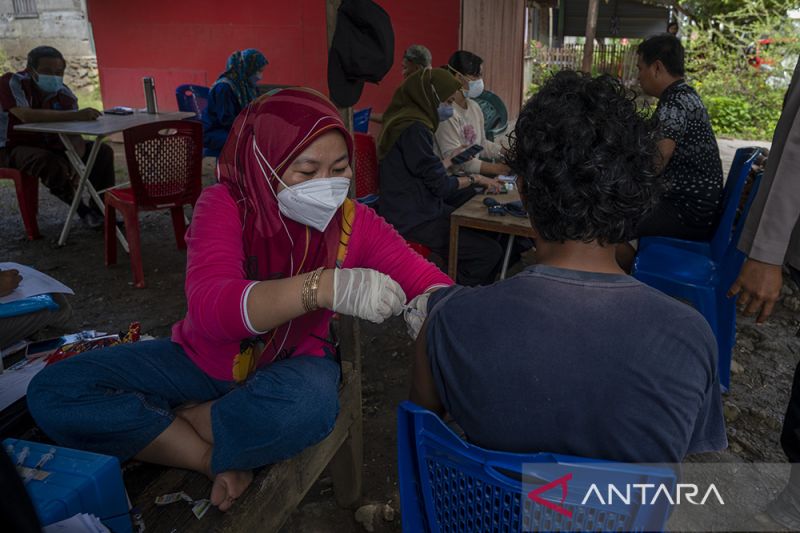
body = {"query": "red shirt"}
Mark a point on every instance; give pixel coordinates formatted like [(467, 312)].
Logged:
[(19, 90)]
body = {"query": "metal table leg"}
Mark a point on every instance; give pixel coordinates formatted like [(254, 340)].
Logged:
[(507, 256), (84, 170)]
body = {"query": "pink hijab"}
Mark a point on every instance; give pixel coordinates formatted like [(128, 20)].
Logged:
[(282, 125)]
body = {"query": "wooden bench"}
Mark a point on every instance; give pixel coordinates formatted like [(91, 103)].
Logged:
[(277, 489)]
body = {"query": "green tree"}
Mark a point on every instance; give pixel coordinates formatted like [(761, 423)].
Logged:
[(740, 59), (712, 13)]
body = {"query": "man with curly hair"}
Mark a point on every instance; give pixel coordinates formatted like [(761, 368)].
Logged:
[(579, 357)]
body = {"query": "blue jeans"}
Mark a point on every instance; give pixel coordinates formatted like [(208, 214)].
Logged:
[(116, 401)]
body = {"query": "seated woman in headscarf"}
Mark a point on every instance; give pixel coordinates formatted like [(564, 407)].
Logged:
[(233, 90), (417, 193), (249, 376), (466, 127)]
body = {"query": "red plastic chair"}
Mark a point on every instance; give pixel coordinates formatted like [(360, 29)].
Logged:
[(164, 165), (27, 197), (421, 249), (366, 172), (366, 157)]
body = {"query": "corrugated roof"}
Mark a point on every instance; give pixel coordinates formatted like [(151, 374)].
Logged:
[(617, 18)]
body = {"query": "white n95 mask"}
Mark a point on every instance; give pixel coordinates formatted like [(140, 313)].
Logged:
[(312, 202), (315, 201)]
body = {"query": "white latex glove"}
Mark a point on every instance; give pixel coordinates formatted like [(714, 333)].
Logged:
[(367, 294), (415, 313)]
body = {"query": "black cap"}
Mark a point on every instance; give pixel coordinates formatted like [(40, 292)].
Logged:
[(362, 50)]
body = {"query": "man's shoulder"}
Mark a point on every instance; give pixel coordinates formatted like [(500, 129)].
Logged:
[(456, 298), (15, 89), (473, 106), (65, 90), (674, 315), (686, 97), (17, 78)]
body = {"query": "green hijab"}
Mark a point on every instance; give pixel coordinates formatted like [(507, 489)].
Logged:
[(416, 100)]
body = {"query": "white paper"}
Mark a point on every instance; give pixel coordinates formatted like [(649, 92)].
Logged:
[(80, 523), (14, 381), (33, 283)]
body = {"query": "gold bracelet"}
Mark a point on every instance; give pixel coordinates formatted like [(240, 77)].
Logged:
[(305, 293), (310, 289), (315, 286)]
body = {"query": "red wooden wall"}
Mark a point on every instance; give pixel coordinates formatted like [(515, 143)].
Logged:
[(179, 42)]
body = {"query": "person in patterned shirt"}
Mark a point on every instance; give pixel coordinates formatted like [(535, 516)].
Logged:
[(38, 94), (689, 154)]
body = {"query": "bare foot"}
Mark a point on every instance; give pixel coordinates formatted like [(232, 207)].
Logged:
[(228, 486)]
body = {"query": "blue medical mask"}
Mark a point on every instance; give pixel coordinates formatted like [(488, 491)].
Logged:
[(49, 83), (445, 111), (475, 88)]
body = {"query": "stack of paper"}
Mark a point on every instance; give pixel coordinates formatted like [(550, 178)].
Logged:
[(80, 523), (14, 381), (33, 283)]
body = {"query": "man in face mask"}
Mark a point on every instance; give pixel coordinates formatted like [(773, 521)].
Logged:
[(38, 94), (416, 57), (466, 127)]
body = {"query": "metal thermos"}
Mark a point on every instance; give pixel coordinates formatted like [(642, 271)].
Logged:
[(150, 95)]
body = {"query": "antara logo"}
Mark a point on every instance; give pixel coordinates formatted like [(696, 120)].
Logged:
[(647, 493), (560, 482), (683, 492)]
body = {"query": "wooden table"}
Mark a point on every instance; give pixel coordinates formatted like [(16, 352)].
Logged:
[(474, 214), (99, 129)]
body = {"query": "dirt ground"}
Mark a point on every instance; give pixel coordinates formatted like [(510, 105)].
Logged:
[(765, 356)]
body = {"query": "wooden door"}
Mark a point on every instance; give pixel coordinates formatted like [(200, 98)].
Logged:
[(495, 30)]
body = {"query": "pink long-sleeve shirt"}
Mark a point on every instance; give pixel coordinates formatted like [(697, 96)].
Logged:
[(216, 287)]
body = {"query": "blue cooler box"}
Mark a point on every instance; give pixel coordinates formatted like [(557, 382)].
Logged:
[(77, 482)]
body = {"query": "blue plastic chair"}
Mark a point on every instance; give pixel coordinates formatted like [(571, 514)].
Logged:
[(740, 167), (192, 98), (702, 272), (361, 120), (449, 485)]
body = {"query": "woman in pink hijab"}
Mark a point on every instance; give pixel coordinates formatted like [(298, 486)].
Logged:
[(249, 376)]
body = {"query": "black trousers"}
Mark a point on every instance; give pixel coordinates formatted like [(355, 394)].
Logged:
[(480, 254), (56, 172), (790, 434), (664, 222)]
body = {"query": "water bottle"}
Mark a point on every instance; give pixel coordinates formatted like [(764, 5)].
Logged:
[(150, 95)]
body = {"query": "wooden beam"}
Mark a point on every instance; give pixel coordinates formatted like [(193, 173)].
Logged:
[(346, 465), (591, 31)]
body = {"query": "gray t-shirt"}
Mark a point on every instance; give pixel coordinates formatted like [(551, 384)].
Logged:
[(578, 363)]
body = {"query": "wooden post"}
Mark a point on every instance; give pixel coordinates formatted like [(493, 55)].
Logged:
[(591, 31), (347, 464)]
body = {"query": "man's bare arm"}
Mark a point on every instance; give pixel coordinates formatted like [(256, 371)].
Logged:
[(423, 390), (666, 147)]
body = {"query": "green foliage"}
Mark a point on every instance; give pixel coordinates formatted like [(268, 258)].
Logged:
[(707, 13), (90, 98), (743, 100), (539, 72)]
